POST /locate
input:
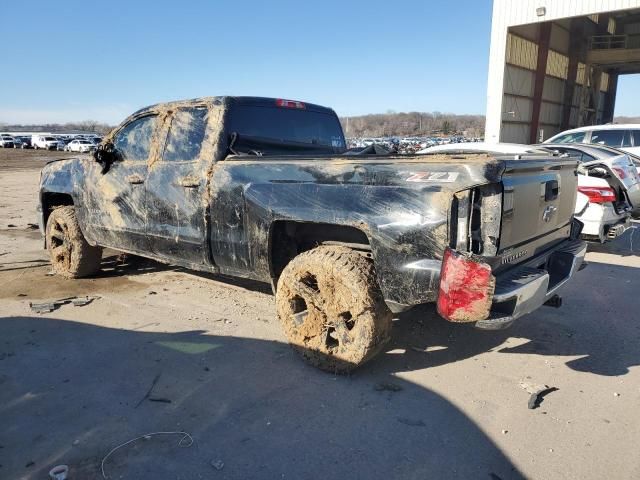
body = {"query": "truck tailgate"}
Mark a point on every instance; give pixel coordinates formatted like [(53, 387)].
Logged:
[(538, 198)]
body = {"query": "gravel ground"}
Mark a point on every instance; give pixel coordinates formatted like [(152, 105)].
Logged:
[(165, 350)]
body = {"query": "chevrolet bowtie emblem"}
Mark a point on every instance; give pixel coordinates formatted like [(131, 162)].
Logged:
[(548, 213)]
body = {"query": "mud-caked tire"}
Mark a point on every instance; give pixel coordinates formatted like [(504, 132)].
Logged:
[(71, 255), (331, 308)]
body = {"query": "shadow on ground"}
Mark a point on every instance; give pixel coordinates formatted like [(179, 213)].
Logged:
[(256, 407), (597, 323), (627, 244), (251, 404)]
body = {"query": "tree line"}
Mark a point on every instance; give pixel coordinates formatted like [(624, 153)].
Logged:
[(89, 126)]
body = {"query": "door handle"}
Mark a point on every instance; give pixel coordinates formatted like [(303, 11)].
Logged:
[(551, 190), (189, 182), (134, 179)]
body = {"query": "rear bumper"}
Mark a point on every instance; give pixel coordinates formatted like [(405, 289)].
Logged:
[(525, 289), (602, 223)]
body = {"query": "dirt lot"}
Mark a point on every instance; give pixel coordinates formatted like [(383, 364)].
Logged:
[(165, 350)]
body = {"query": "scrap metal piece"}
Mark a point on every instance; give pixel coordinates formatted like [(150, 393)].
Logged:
[(81, 302), (50, 306), (537, 392)]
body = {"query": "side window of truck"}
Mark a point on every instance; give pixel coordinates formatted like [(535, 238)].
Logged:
[(133, 142), (187, 131)]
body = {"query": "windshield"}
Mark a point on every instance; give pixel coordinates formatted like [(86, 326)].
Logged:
[(277, 129), (50, 139)]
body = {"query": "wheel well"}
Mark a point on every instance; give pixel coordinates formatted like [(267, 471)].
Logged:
[(289, 239), (52, 200)]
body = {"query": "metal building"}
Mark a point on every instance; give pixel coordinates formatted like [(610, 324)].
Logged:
[(554, 64)]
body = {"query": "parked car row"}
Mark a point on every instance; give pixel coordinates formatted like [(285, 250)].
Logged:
[(406, 145), (66, 142)]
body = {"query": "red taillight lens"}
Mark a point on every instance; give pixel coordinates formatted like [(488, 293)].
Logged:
[(466, 288), (599, 194), (290, 104), (620, 172)]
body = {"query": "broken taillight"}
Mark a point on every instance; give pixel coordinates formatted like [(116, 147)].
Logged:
[(290, 104), (466, 288), (599, 194)]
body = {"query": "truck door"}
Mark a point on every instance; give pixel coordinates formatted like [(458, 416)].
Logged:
[(116, 213), (176, 189)]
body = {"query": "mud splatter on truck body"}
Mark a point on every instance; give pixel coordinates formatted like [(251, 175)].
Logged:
[(197, 188)]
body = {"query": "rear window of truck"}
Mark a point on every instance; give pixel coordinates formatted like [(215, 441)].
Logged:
[(290, 126)]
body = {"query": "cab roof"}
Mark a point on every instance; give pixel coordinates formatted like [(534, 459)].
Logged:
[(235, 100)]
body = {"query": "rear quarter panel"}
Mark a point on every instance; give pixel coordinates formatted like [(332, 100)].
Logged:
[(397, 203)]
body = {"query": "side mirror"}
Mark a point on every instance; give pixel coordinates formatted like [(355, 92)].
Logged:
[(105, 155)]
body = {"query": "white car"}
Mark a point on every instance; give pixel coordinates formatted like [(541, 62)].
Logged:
[(603, 203), (6, 141), (45, 142), (626, 137), (80, 145)]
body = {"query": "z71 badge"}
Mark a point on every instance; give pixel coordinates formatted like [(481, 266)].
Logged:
[(428, 177)]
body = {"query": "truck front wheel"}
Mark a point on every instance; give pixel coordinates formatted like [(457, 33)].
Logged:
[(331, 308), (71, 255)]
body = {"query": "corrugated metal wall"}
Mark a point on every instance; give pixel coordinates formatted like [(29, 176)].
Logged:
[(513, 61), (519, 79)]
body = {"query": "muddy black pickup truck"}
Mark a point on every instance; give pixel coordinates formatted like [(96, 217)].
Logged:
[(265, 189)]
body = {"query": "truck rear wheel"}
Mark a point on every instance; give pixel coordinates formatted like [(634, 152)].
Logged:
[(71, 255), (331, 308)]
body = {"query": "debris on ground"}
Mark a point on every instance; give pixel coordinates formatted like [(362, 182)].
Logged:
[(388, 387), (59, 472), (538, 392), (11, 225), (147, 436), (217, 464), (433, 348), (159, 399), (148, 394), (616, 394), (50, 306), (411, 422), (32, 226)]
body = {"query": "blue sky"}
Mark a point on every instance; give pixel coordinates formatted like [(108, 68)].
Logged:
[(72, 60)]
